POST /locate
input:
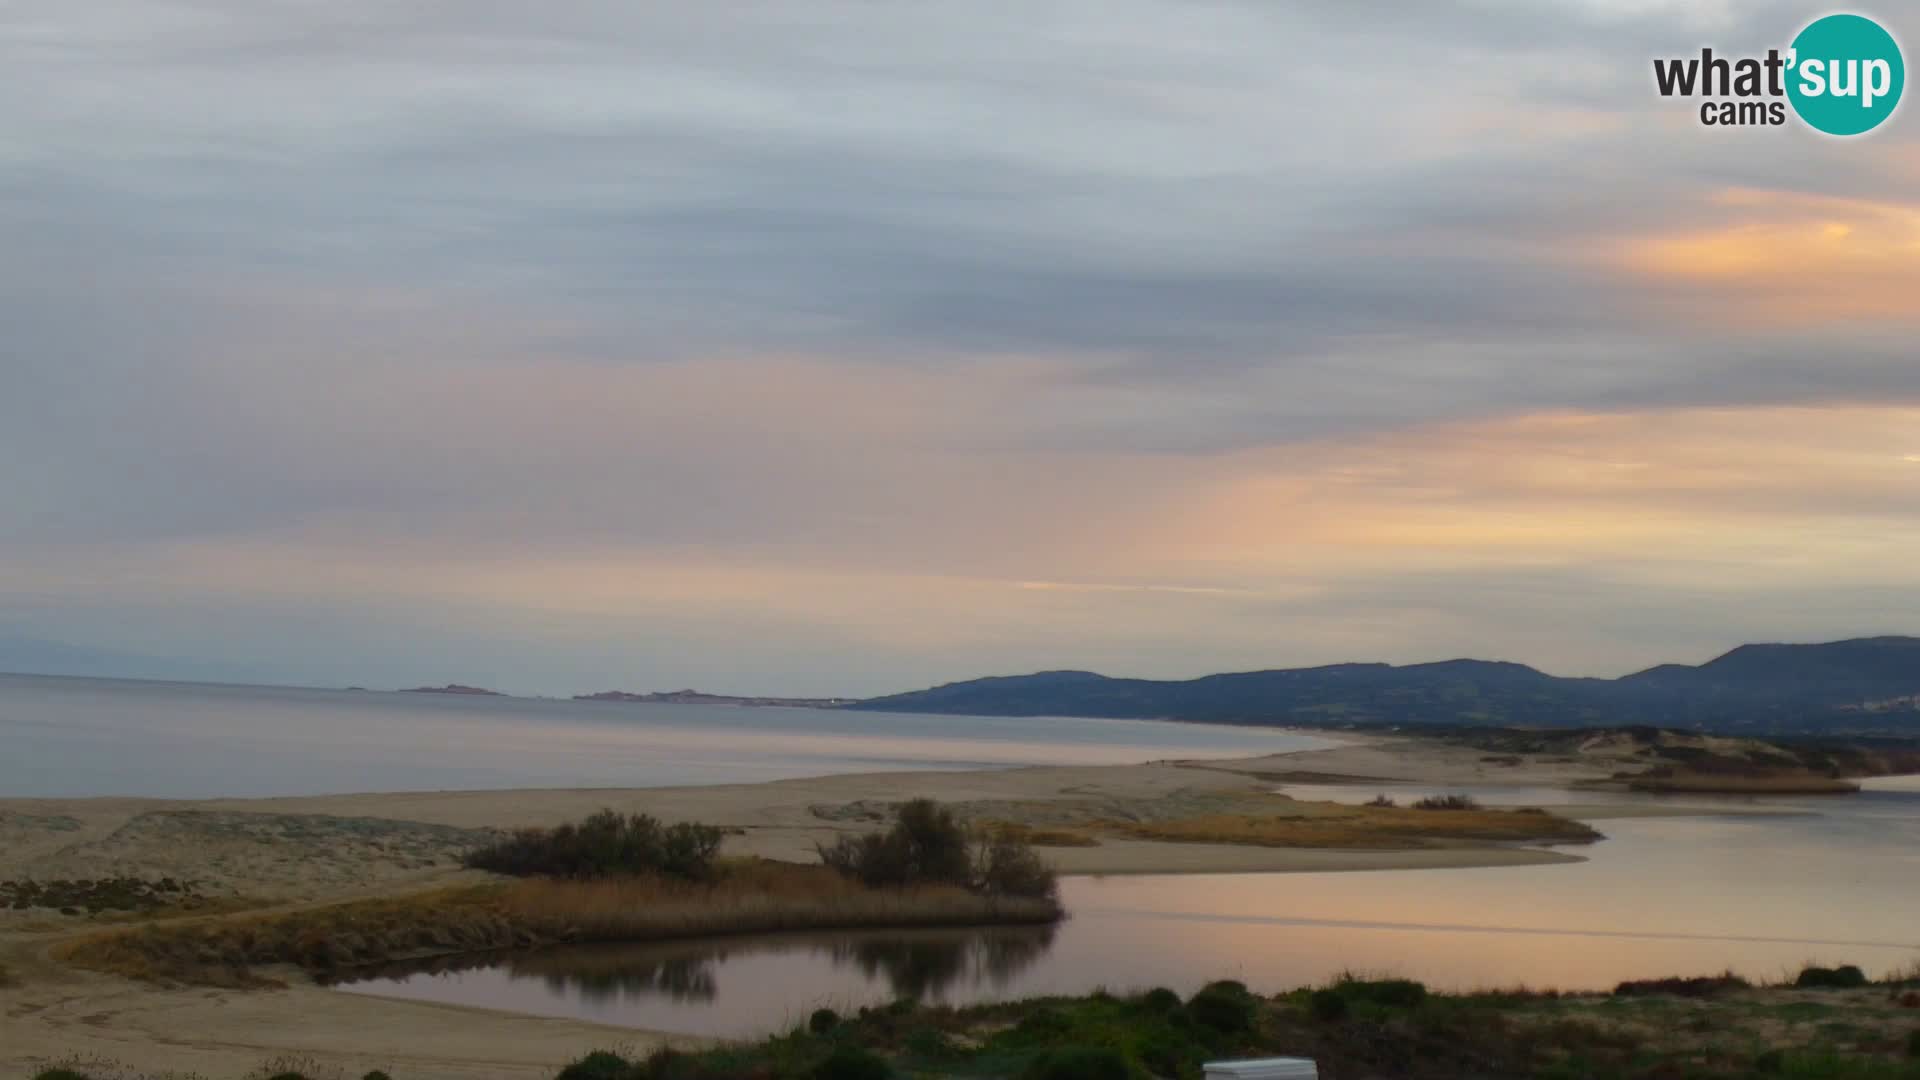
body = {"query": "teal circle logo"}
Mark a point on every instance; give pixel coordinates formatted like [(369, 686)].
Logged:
[(1846, 74)]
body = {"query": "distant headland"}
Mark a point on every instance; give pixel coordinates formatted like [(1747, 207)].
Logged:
[(696, 697), (455, 688)]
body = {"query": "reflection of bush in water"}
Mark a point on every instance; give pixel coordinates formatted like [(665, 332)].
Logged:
[(925, 965), (682, 978), (598, 974), (915, 964)]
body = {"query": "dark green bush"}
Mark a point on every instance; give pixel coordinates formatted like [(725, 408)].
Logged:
[(599, 1065), (823, 1021), (927, 845), (851, 1063), (1844, 977), (1007, 867), (1160, 1000), (1078, 1063), (1385, 993), (1224, 1007), (59, 1074), (1166, 1053), (1913, 1043), (667, 1063), (1770, 1062), (604, 845), (1327, 1005), (1696, 987), (1043, 1024), (930, 1044), (376, 1074)]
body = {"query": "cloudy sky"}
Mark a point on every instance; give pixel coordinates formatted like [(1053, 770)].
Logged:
[(819, 347)]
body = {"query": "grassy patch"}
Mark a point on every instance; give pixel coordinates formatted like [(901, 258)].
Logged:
[(1757, 782), (1329, 825), (743, 897), (1037, 837)]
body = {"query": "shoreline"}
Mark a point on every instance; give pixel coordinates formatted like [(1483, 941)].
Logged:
[(293, 852)]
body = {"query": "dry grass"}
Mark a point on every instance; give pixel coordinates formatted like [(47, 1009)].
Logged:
[(1037, 837), (1720, 783), (1327, 825), (748, 897)]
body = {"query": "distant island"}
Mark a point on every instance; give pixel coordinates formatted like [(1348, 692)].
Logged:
[(696, 697), (455, 688), (1864, 687)]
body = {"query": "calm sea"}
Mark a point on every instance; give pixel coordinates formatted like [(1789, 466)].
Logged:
[(70, 737)]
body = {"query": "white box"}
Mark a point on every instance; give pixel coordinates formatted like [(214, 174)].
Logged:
[(1287, 1068)]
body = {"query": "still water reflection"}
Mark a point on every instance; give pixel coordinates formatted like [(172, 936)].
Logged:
[(1833, 880), (728, 986)]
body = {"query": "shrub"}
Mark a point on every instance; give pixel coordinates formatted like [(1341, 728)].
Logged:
[(1385, 993), (1043, 1024), (1166, 1053), (1160, 1000), (851, 1063), (1078, 1063), (376, 1074), (1224, 1007), (1696, 987), (59, 1074), (1913, 1043), (606, 844), (599, 1065), (930, 1044), (1447, 802), (928, 846), (1382, 801), (667, 1063), (823, 1021), (1004, 866), (1844, 977), (1327, 1005)]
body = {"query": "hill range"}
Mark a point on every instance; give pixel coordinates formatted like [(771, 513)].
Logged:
[(1859, 687)]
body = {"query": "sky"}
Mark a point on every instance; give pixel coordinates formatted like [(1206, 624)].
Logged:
[(811, 347)]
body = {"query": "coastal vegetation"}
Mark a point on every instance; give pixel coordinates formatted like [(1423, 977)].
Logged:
[(744, 896), (71, 897), (1333, 825), (1352, 1027), (612, 878), (606, 844), (928, 846)]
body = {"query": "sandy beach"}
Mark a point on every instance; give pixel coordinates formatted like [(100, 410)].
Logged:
[(282, 853)]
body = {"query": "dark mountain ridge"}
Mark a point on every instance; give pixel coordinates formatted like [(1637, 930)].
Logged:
[(1860, 686)]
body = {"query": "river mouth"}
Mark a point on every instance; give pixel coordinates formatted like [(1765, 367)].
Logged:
[(1760, 895)]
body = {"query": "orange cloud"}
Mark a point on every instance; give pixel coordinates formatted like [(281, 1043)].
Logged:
[(1790, 257)]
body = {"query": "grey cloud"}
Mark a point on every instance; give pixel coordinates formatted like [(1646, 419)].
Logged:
[(1220, 225)]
